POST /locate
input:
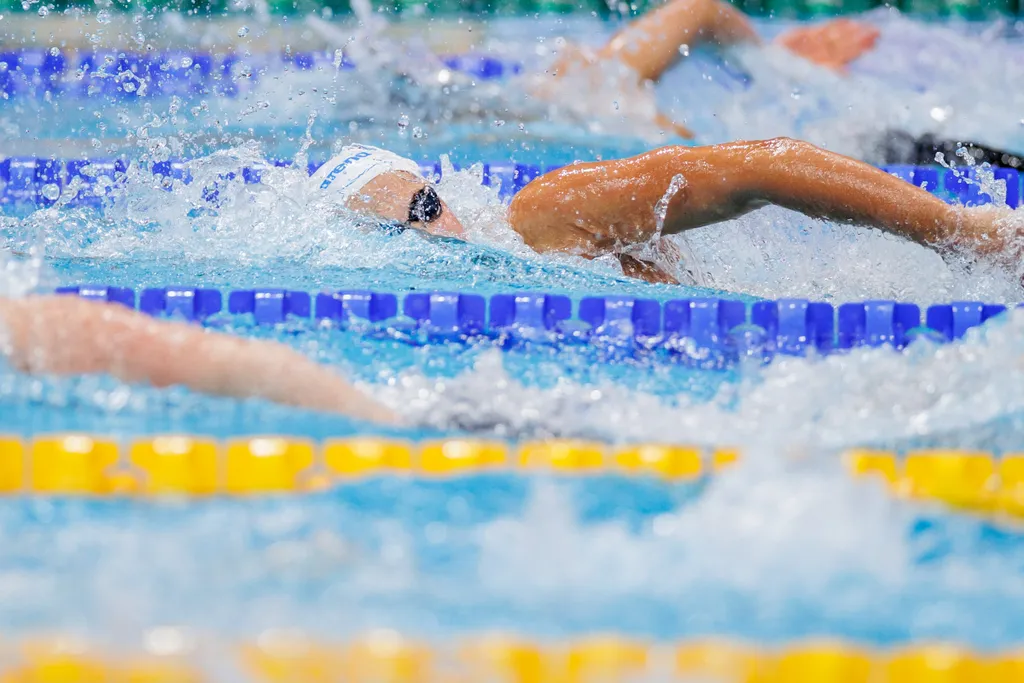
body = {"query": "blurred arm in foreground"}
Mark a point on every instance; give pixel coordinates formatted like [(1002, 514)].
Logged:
[(64, 335)]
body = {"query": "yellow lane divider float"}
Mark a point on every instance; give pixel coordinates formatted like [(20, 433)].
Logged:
[(194, 466), (975, 481), (387, 657), (77, 464)]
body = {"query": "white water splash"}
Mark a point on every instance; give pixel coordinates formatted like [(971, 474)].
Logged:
[(776, 253), (867, 396)]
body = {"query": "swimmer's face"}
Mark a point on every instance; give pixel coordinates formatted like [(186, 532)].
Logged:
[(391, 196)]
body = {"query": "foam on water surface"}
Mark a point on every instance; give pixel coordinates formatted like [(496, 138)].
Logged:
[(767, 553)]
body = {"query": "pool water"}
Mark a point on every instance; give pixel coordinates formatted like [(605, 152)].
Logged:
[(784, 546)]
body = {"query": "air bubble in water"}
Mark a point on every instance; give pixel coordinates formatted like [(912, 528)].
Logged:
[(186, 62), (403, 123), (3, 67), (243, 32), (103, 16), (43, 11), (417, 133), (50, 191), (129, 87)]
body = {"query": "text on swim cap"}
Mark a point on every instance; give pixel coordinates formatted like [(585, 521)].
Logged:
[(336, 171)]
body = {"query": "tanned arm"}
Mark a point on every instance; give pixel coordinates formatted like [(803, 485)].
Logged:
[(650, 44), (64, 335), (604, 207)]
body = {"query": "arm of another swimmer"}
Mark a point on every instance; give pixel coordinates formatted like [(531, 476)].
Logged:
[(65, 335), (650, 45), (600, 208)]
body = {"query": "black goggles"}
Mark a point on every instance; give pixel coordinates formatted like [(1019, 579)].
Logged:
[(425, 206)]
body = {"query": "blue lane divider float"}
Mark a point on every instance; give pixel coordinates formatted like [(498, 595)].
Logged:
[(706, 332), (37, 182), (34, 182), (47, 72), (877, 323), (794, 327)]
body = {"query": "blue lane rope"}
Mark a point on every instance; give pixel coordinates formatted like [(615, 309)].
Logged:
[(707, 332), (39, 73), (36, 182)]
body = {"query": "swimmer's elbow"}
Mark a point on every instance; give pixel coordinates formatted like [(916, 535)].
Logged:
[(782, 148)]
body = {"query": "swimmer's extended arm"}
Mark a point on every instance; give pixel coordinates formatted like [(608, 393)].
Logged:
[(650, 44), (603, 207), (64, 335)]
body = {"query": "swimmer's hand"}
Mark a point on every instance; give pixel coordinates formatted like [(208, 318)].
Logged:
[(645, 270), (994, 233), (833, 45)]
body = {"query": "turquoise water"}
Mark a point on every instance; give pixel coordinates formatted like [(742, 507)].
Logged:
[(784, 546), (439, 559)]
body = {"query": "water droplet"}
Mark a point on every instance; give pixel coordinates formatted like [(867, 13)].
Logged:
[(243, 32), (103, 16)]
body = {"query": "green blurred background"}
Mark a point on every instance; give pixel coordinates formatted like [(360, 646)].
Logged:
[(790, 9)]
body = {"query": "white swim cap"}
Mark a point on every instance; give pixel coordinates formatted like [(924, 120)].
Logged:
[(355, 166)]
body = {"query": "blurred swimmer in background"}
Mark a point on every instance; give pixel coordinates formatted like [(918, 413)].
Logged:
[(612, 87)]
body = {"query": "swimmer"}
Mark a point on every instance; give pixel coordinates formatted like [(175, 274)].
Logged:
[(65, 335), (591, 209), (652, 44), (611, 207), (615, 83)]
